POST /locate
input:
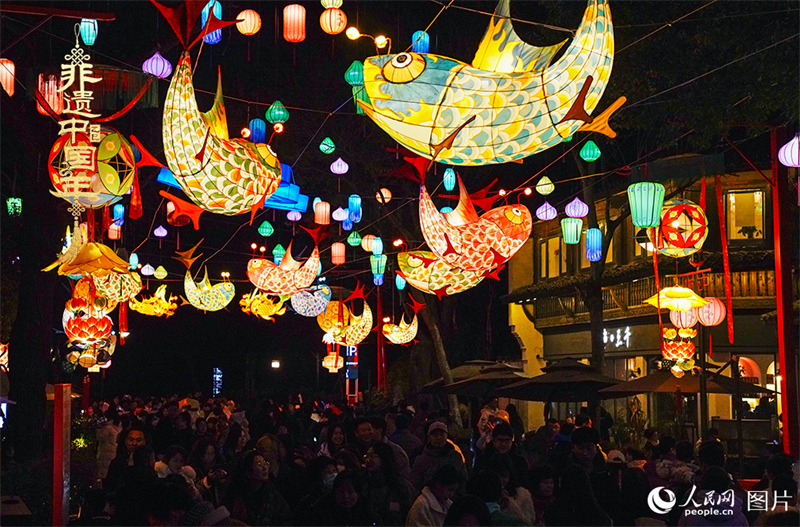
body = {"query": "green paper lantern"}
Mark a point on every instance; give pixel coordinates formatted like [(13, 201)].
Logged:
[(14, 206), (590, 152), (355, 74), (327, 146), (277, 113), (265, 229), (571, 229), (378, 264), (277, 254), (646, 200), (354, 240), (567, 140)]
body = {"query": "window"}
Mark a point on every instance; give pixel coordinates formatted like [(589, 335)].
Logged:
[(609, 256), (552, 257), (745, 215)]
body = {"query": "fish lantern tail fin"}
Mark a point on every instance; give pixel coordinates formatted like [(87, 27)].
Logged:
[(182, 209), (256, 207), (148, 159), (317, 233), (600, 123), (187, 257), (448, 142), (416, 306)]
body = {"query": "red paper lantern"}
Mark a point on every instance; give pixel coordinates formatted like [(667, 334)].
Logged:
[(7, 70), (294, 23), (713, 313), (333, 21), (337, 253), (49, 87), (683, 319)]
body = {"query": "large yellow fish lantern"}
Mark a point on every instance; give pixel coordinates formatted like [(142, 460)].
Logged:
[(512, 102), (336, 314)]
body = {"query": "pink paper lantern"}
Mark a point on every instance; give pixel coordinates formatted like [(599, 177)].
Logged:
[(713, 313), (293, 215), (683, 319)]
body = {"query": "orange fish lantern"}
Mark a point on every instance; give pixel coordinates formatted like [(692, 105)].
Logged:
[(336, 314), (290, 276)]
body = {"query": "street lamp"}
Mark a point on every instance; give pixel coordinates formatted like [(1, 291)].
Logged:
[(276, 364)]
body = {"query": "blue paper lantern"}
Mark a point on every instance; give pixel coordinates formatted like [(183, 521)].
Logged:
[(399, 282), (347, 225), (215, 36), (420, 42), (594, 244), (133, 261), (258, 130), (377, 279), (88, 30), (377, 246), (445, 210), (119, 214), (354, 202), (449, 179)]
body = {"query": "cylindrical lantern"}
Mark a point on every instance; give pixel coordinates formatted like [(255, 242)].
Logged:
[(158, 66), (354, 240), (683, 319), (293, 215), (546, 212), (50, 88), (114, 232), (577, 208), (322, 213), (327, 146), (354, 202), (339, 167), (7, 75), (366, 242), (449, 179), (249, 22), (377, 246), (789, 154), (713, 313), (333, 21), (646, 200), (119, 214), (265, 229), (545, 186), (420, 42), (277, 113), (294, 23), (399, 282), (88, 31), (277, 254), (258, 130), (339, 214), (378, 264), (337, 253), (590, 152), (571, 230), (377, 279), (215, 7), (383, 196), (594, 244)]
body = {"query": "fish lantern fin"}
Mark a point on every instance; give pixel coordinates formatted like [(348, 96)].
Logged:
[(503, 51), (358, 293), (317, 233), (481, 197), (600, 123), (442, 291), (464, 212), (148, 159), (182, 18), (576, 111), (256, 207), (494, 273), (448, 142), (212, 24), (415, 306), (187, 257), (216, 118), (183, 208)]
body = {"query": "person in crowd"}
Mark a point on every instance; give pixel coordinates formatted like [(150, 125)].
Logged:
[(635, 490), (437, 452), (586, 454), (776, 465), (516, 422), (710, 454), (712, 434), (107, 442), (411, 444), (660, 464), (337, 439), (502, 444), (583, 420), (575, 503), (130, 496), (129, 442), (482, 434), (345, 459), (782, 498), (714, 483), (651, 441), (285, 475), (489, 488), (343, 505), (379, 436), (764, 409), (468, 510), (431, 506), (541, 479), (164, 429), (182, 433), (174, 462), (365, 436), (234, 446), (204, 456), (387, 493), (252, 498), (321, 472), (201, 428), (516, 499), (169, 503), (561, 450)]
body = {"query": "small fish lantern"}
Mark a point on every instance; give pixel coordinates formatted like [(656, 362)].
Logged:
[(594, 244)]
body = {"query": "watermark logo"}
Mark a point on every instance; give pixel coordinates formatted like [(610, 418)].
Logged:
[(659, 505)]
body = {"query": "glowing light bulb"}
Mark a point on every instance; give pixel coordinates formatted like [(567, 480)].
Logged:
[(528, 191), (381, 41), (352, 33), (245, 132)]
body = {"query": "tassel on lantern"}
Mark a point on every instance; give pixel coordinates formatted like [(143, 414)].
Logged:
[(725, 261), (135, 211), (123, 322)]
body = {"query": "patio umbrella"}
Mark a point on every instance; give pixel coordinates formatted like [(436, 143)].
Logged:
[(565, 381), (663, 381), (469, 369), (484, 383)]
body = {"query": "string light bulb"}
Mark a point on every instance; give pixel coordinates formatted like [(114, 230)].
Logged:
[(352, 33)]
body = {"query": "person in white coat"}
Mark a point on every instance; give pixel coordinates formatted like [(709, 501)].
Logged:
[(430, 508)]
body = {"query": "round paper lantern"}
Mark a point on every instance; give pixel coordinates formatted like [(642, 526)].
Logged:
[(7, 75), (789, 154), (683, 228), (88, 31), (339, 167), (571, 230), (160, 273), (322, 213), (646, 200), (545, 186), (399, 282), (265, 229), (277, 113), (333, 21), (683, 319), (594, 244), (337, 253), (577, 209), (713, 313), (383, 196), (215, 7), (420, 42), (249, 22), (327, 146), (327, 4), (546, 212), (354, 240), (377, 246), (294, 23), (449, 179), (590, 152), (339, 214), (366, 242), (158, 66), (258, 130)]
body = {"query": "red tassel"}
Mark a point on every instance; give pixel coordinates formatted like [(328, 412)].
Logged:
[(703, 195), (658, 298), (726, 262), (90, 224), (123, 321), (106, 219), (136, 200), (710, 351)]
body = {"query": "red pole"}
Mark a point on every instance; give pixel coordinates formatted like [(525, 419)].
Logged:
[(787, 345), (381, 359), (87, 392), (62, 398)]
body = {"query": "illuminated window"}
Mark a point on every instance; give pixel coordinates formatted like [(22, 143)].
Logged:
[(552, 257), (745, 211)]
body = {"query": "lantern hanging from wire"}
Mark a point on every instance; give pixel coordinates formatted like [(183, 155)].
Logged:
[(354, 239), (50, 88), (277, 114), (133, 261), (383, 196), (327, 146), (337, 253), (590, 152), (347, 225), (354, 215), (594, 244), (14, 206), (160, 272), (158, 66), (119, 214), (322, 213), (420, 42), (215, 7), (377, 246), (339, 167), (354, 202), (377, 263), (545, 186), (683, 319), (294, 215), (333, 362), (160, 231), (449, 179), (333, 21), (546, 212), (148, 270), (339, 214), (277, 254), (399, 282), (294, 23), (713, 313), (646, 199), (789, 154), (571, 230), (249, 22), (366, 242), (88, 31), (258, 130), (577, 208), (683, 228), (7, 76), (265, 229)]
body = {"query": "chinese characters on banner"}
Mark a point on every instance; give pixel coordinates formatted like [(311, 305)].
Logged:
[(617, 338)]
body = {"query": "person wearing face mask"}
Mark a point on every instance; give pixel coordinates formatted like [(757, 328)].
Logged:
[(430, 508), (343, 505), (320, 475), (252, 497)]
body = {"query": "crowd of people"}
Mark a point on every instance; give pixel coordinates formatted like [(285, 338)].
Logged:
[(193, 462)]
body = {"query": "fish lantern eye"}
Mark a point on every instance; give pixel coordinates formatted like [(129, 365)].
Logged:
[(514, 215), (404, 67), (255, 264)]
